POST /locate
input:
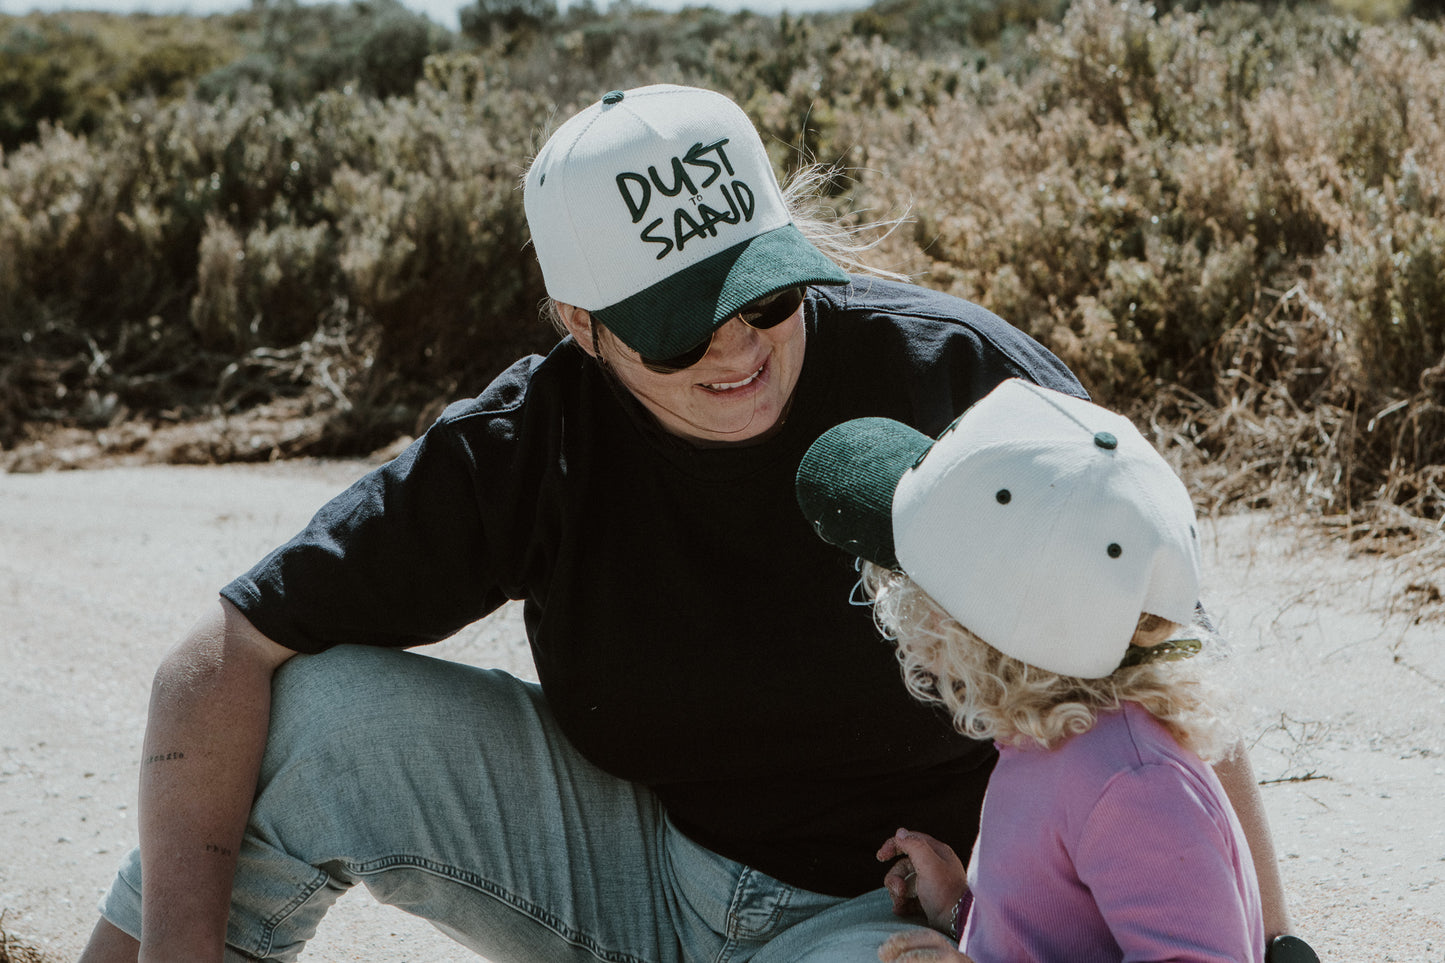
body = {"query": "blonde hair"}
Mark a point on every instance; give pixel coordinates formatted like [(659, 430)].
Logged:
[(845, 245), (990, 695)]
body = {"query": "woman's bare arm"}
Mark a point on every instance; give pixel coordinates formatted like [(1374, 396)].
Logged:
[(206, 731), (1237, 776)]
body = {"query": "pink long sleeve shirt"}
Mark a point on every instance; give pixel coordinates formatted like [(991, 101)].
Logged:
[(1119, 845)]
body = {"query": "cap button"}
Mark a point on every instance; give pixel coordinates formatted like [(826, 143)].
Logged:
[(613, 97), (1106, 441)]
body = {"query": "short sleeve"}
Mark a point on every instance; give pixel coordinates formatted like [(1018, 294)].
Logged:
[(1169, 869), (398, 559)]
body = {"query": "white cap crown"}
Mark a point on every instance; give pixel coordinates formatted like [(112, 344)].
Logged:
[(1046, 525), (657, 210)]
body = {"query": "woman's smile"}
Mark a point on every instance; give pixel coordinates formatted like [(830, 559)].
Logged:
[(738, 391), (734, 385)]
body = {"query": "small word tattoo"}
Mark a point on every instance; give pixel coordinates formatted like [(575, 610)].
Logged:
[(218, 850), (164, 757)]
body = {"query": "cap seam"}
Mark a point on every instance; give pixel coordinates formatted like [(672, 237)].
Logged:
[(572, 226)]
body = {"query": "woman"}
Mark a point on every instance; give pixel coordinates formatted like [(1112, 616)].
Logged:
[(659, 796)]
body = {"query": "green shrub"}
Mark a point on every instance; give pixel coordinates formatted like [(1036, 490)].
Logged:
[(202, 231), (70, 69), (298, 50), (34, 85), (514, 21), (1227, 221)]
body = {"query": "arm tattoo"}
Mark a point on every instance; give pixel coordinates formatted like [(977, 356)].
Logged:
[(163, 757)]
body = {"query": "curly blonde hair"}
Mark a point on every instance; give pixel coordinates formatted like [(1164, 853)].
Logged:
[(990, 695)]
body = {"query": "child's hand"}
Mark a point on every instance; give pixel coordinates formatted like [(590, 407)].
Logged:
[(920, 946), (929, 878)]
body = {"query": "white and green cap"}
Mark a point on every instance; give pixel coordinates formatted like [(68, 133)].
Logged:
[(657, 210), (1043, 523)]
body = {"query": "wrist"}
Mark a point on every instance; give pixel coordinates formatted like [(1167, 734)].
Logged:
[(960, 916), (175, 955), (191, 944)]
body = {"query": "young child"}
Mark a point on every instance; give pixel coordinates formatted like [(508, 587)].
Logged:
[(1037, 565)]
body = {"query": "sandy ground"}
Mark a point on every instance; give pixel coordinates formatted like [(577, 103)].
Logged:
[(1343, 688)]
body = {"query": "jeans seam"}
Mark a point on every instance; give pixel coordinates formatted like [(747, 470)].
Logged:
[(735, 932), (502, 894), (270, 925)]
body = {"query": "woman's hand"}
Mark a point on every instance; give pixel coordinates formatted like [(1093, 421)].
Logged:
[(929, 879), (920, 946)]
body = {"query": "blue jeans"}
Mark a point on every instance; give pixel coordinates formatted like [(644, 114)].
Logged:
[(449, 792)]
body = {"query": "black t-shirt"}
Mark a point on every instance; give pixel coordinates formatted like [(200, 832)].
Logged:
[(690, 631)]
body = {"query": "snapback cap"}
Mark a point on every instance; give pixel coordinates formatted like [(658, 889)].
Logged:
[(657, 211), (1043, 523)]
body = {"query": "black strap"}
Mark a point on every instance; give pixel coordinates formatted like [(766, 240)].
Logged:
[(1289, 949)]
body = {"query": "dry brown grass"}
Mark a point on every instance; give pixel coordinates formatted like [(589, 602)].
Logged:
[(1231, 224), (13, 949)]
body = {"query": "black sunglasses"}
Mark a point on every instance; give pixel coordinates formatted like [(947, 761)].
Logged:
[(768, 312)]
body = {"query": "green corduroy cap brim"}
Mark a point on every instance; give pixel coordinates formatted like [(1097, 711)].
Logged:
[(846, 481), (684, 308)]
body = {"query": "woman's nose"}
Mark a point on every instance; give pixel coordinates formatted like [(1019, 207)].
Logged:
[(733, 336)]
